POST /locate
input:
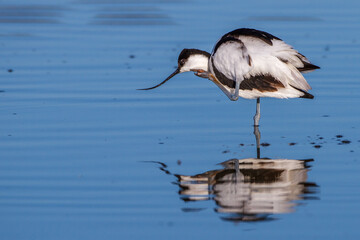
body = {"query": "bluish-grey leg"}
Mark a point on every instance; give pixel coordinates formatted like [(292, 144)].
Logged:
[(232, 96), (235, 95), (257, 114), (237, 170), (257, 136)]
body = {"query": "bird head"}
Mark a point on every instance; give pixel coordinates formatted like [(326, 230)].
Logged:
[(194, 60)]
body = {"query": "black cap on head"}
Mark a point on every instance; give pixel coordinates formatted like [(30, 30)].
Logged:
[(187, 52)]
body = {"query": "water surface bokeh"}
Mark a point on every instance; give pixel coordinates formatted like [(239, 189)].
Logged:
[(80, 148)]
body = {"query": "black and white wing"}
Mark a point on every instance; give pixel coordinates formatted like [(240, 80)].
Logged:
[(278, 47), (264, 64)]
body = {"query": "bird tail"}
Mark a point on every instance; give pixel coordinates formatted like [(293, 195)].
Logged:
[(306, 94), (308, 67)]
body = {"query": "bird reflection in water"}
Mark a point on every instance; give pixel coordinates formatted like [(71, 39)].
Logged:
[(250, 189)]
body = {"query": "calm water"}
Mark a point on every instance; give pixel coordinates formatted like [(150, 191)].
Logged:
[(83, 155)]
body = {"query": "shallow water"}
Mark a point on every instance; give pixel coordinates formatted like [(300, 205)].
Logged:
[(86, 156)]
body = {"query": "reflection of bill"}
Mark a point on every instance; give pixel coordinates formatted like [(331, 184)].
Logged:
[(251, 189)]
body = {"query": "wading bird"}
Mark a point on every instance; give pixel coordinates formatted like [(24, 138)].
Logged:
[(251, 64)]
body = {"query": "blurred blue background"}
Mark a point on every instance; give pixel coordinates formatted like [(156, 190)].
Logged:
[(79, 145)]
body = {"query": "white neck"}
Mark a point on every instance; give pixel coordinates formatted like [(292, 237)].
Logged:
[(196, 62)]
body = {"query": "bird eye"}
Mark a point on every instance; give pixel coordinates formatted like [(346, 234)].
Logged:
[(182, 62)]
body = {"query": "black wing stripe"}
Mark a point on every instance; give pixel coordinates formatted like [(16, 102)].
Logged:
[(264, 36), (262, 83), (307, 66), (224, 40)]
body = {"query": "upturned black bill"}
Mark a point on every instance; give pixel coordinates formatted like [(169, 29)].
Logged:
[(173, 74)]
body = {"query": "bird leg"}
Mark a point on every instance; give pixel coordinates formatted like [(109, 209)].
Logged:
[(237, 172), (257, 114), (257, 137), (227, 91), (235, 96)]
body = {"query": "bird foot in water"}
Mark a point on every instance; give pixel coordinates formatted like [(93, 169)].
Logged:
[(202, 74)]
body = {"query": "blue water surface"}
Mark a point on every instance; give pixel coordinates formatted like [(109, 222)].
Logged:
[(83, 155)]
